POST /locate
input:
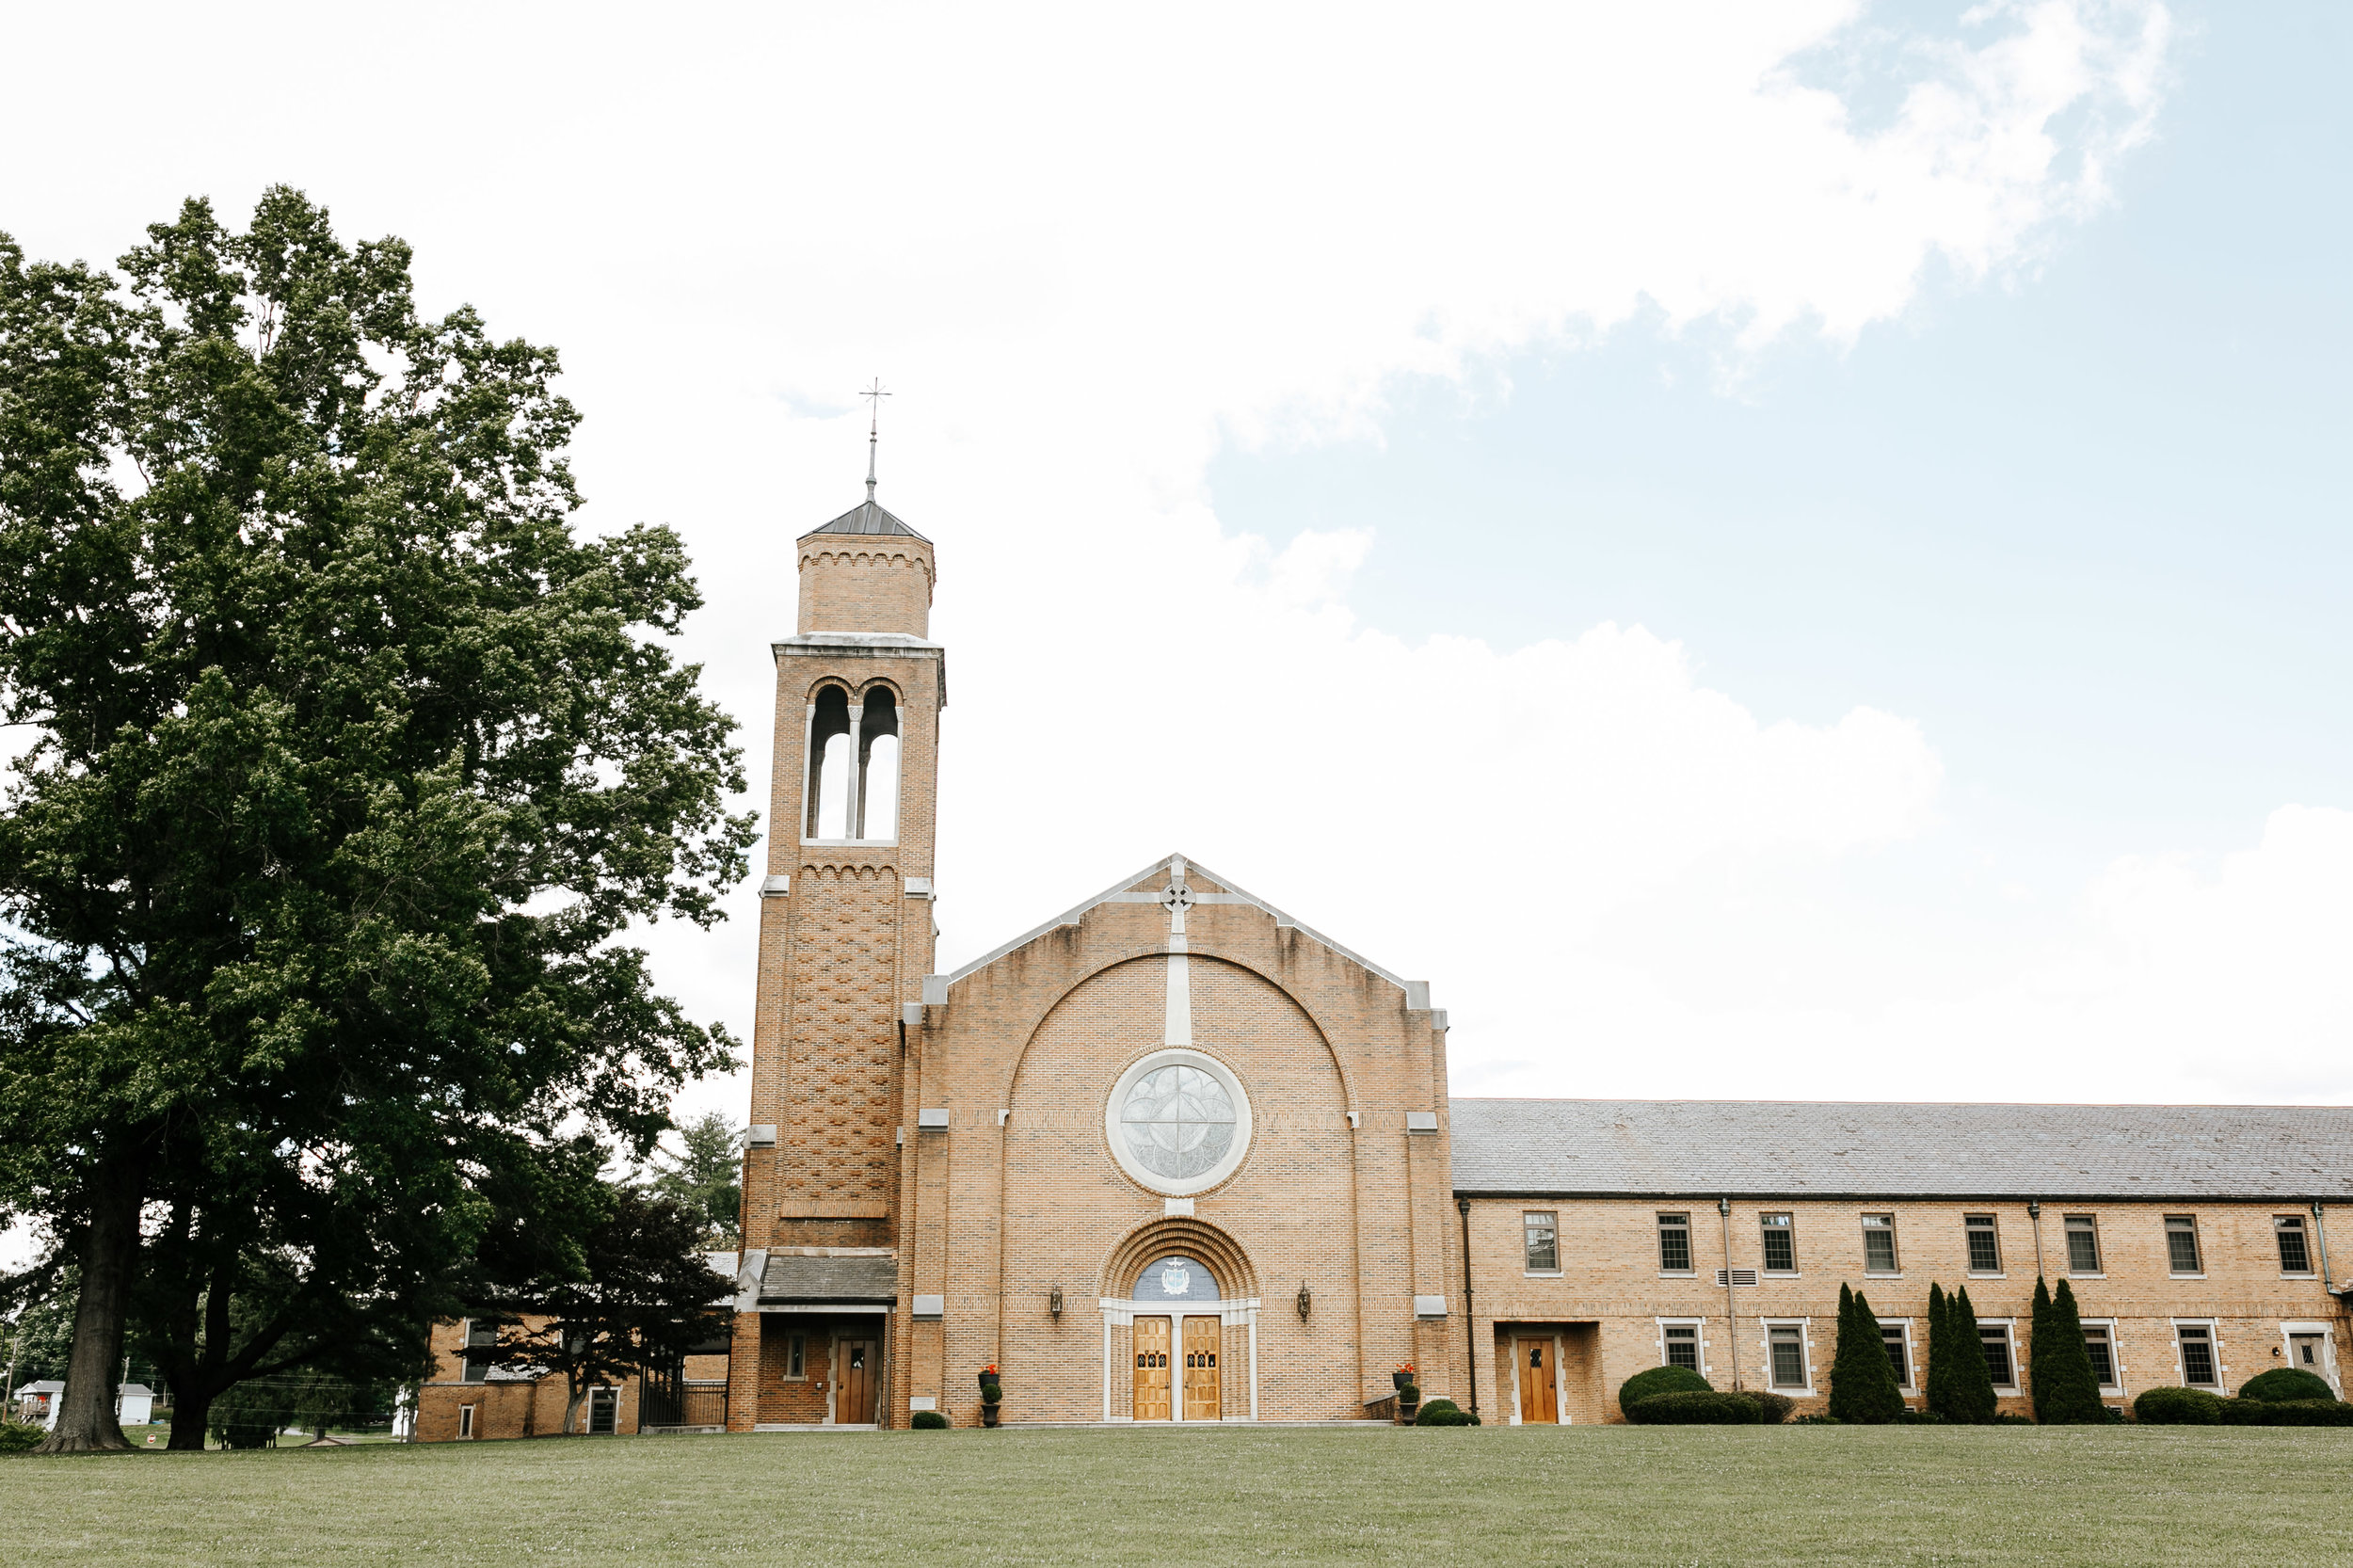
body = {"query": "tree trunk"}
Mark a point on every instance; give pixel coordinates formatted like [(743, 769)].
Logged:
[(85, 1414), (574, 1394), (191, 1414)]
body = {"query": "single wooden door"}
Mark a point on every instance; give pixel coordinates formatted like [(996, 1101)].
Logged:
[(1201, 1342), (1152, 1336), (1539, 1396), (853, 1391)]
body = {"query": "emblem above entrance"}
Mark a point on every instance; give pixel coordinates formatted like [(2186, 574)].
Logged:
[(1177, 1121)]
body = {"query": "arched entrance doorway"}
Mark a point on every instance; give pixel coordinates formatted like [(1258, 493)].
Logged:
[(1180, 1336), (1179, 1341)]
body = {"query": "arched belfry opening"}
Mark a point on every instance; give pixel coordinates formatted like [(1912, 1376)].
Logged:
[(853, 766)]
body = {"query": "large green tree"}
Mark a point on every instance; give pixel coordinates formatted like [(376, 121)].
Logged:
[(351, 764), (707, 1176)]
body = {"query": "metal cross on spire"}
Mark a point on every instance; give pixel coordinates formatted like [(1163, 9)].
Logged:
[(873, 395)]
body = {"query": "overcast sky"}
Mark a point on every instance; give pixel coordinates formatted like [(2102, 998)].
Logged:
[(1788, 550)]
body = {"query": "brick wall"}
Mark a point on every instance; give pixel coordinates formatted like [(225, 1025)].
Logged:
[(1612, 1280)]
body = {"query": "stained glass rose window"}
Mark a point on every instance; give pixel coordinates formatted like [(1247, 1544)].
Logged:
[(1178, 1122)]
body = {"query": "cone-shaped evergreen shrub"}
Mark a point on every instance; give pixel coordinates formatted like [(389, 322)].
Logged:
[(2039, 1336), (1938, 1378), (1972, 1386), (2066, 1389), (1861, 1382)]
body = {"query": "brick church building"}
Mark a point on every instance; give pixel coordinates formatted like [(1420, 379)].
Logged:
[(1177, 1156)]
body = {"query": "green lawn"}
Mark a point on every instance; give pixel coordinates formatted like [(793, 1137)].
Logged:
[(1490, 1495)]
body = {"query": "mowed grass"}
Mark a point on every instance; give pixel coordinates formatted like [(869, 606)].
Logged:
[(1488, 1495)]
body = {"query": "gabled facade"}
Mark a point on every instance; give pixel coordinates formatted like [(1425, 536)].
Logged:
[(1171, 1156)]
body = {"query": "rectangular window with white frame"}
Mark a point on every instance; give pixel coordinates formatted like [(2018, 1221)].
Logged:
[(1994, 1336), (2083, 1244), (1985, 1243), (1780, 1235), (2200, 1357), (1679, 1345), (2106, 1366), (1879, 1244), (465, 1420), (1897, 1333), (1786, 1362), (1674, 1243), (2295, 1258), (2181, 1245), (1541, 1230)]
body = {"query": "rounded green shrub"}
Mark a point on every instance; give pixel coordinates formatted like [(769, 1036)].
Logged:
[(2286, 1413), (1445, 1412), (928, 1421), (1408, 1395), (2179, 1407), (2287, 1383), (1697, 1407), (1774, 1408), (1660, 1380), (17, 1437)]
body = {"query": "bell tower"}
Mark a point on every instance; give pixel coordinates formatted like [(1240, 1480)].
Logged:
[(845, 936)]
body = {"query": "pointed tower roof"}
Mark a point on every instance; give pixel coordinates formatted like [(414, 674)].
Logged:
[(867, 517)]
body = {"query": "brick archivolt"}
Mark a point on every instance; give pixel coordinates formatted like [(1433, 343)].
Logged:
[(1199, 955), (1155, 1239)]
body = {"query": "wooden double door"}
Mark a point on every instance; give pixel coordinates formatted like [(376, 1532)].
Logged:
[(1169, 1358)]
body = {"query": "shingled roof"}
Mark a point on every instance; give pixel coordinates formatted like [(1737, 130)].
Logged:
[(806, 1279), (1704, 1148), (867, 517)]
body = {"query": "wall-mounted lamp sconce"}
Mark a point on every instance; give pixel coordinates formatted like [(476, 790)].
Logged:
[(1306, 1299), (1053, 1300)]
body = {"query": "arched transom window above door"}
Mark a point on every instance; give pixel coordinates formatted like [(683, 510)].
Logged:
[(1175, 1278), (1177, 1121)]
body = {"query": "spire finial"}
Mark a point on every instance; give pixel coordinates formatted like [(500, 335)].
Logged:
[(873, 394)]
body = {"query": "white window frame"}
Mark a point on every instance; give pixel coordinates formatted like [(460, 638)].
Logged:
[(1690, 1245), (589, 1409), (2221, 1383), (1805, 1344), (2010, 1335), (1556, 1272), (2310, 1269), (2197, 1242), (1912, 1354), (465, 1423), (1699, 1337), (2116, 1352), (1968, 1266), (1895, 1244), (2288, 1331), (2099, 1247), (1788, 1223)]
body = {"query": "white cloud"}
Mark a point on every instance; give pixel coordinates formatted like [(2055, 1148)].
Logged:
[(1088, 245)]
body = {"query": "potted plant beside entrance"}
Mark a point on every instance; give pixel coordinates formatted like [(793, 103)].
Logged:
[(1402, 1377), (992, 1394), (1408, 1392)]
